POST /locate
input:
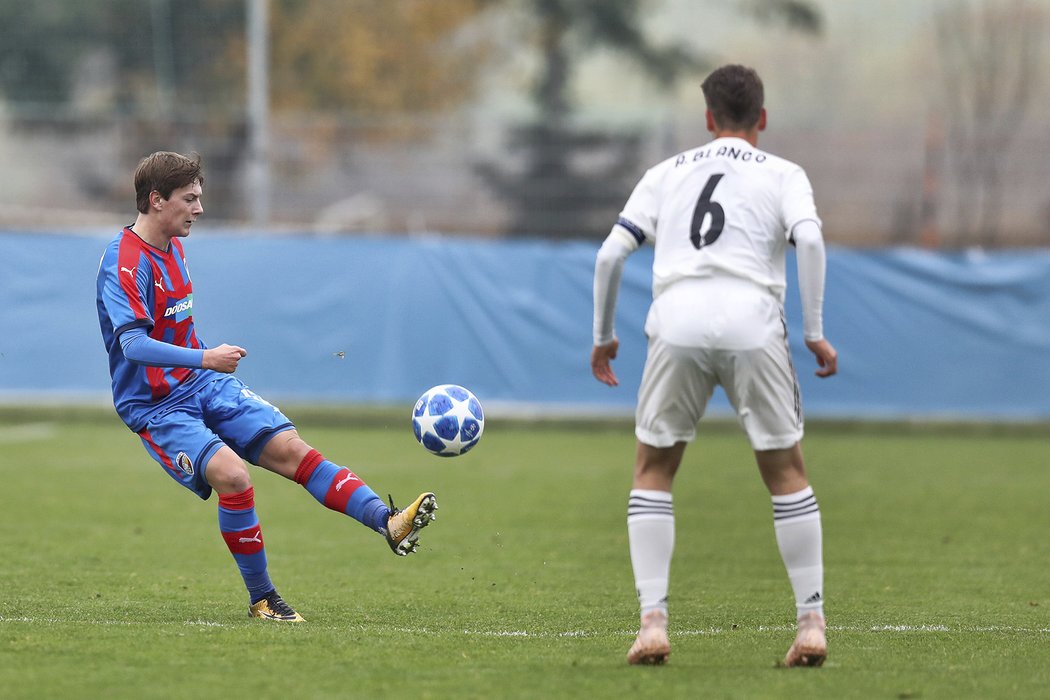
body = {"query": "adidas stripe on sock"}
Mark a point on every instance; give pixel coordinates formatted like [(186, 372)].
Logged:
[(796, 521), (650, 533)]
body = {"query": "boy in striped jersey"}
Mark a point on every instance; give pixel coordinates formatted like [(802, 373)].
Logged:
[(197, 420), (720, 217)]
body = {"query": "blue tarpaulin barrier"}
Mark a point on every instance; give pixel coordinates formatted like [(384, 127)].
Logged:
[(375, 320)]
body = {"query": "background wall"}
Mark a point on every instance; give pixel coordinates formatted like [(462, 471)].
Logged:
[(374, 320)]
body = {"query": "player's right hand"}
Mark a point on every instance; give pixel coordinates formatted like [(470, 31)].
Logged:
[(827, 358), (601, 358), (223, 358)]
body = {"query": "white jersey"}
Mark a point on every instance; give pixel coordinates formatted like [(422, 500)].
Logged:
[(724, 209)]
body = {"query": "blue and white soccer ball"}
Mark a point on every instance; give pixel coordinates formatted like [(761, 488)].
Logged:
[(448, 420)]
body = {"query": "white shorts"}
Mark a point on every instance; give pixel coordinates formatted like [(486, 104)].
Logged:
[(712, 332)]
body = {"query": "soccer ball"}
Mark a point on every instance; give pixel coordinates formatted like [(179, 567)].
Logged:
[(448, 420)]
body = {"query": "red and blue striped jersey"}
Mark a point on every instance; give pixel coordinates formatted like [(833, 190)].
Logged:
[(140, 286)]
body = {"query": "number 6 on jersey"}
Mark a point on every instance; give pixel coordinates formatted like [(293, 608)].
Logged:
[(705, 207)]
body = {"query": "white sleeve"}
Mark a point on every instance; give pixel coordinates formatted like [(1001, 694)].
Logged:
[(797, 200), (608, 269), (811, 260), (642, 208)]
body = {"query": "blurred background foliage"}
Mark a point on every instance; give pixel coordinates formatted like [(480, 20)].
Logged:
[(526, 117), (361, 55)]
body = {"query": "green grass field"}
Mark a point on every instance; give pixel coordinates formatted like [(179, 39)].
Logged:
[(114, 582)]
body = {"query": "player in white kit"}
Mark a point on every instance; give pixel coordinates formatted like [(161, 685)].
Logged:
[(720, 217)]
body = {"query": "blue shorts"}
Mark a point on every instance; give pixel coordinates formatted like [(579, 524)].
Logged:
[(224, 412)]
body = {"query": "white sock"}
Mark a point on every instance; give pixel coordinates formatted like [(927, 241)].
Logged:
[(796, 520), (650, 532)]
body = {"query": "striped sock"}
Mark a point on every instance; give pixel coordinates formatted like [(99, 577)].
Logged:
[(650, 533), (796, 520), (341, 490), (240, 528)]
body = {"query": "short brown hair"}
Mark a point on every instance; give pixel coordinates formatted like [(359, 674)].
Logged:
[(165, 172), (735, 96)]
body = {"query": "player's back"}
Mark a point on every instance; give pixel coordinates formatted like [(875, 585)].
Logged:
[(723, 209)]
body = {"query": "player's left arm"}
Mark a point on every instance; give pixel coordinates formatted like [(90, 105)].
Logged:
[(812, 263), (803, 227)]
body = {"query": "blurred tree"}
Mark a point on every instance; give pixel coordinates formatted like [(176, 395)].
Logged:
[(157, 49), (349, 55), (137, 73), (573, 179), (40, 42), (172, 73), (376, 58), (989, 53)]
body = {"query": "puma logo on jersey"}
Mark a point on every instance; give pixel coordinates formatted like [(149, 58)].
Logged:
[(159, 285), (129, 270), (349, 477), (257, 537)]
